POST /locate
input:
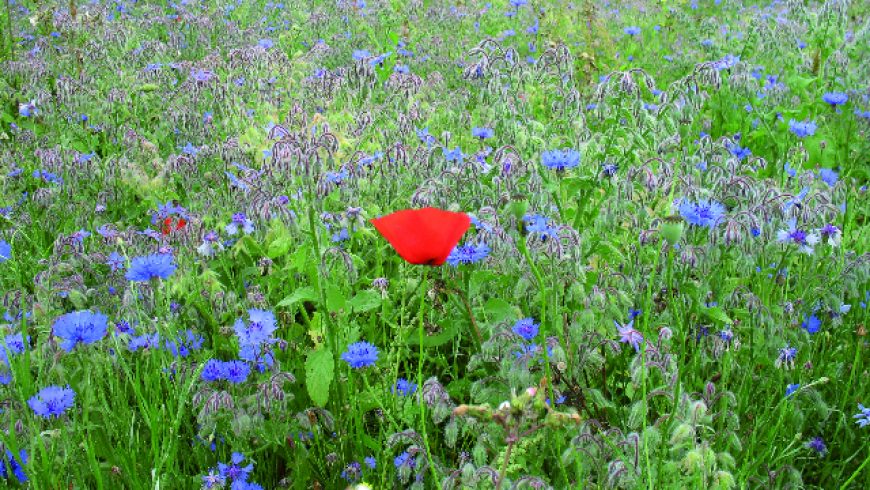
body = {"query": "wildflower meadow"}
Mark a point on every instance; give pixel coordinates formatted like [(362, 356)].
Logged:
[(434, 244)]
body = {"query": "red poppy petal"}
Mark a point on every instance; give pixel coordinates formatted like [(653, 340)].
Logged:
[(181, 224), (423, 236), (167, 226)]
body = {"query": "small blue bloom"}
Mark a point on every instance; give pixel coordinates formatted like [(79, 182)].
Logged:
[(632, 30), (811, 324), (704, 212), (155, 266), (802, 129), (234, 471), (628, 334), (561, 160), (829, 176), (5, 251), (791, 388), (468, 254), (862, 418), (403, 387), (184, 343), (482, 133), (360, 354), (835, 98), (526, 328), (214, 370), (52, 401), (80, 327)]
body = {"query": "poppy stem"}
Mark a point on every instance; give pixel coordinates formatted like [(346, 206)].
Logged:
[(421, 325)]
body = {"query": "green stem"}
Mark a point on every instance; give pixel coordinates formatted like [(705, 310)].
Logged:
[(856, 473), (421, 325)]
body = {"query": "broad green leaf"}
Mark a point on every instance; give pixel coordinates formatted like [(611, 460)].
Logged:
[(335, 300), (305, 293), (716, 313), (319, 371), (365, 300)]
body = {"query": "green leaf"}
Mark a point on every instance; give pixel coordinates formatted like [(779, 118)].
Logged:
[(365, 300), (319, 371), (335, 300), (498, 310), (716, 313), (305, 293), (279, 247), (478, 279)]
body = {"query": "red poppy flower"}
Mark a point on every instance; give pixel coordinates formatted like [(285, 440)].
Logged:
[(167, 225), (423, 236)]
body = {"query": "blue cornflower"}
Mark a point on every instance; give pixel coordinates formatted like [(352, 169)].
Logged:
[(628, 334), (535, 223), (817, 444), (403, 387), (214, 370), (468, 254), (234, 471), (5, 251), (52, 401), (361, 54), (78, 327), (739, 152), (802, 129), (791, 388), (609, 169), (240, 220), (862, 418), (482, 133), (835, 98), (15, 466), (259, 328), (526, 328), (155, 266), (360, 354), (144, 342), (632, 30), (370, 462), (560, 160), (236, 371), (811, 324), (116, 262), (829, 176), (189, 149), (454, 155), (12, 344), (266, 43), (703, 212), (184, 343)]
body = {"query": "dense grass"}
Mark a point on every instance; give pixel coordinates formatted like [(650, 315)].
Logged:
[(625, 322)]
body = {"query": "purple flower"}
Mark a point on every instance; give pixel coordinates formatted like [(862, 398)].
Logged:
[(805, 241), (817, 444), (628, 334)]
